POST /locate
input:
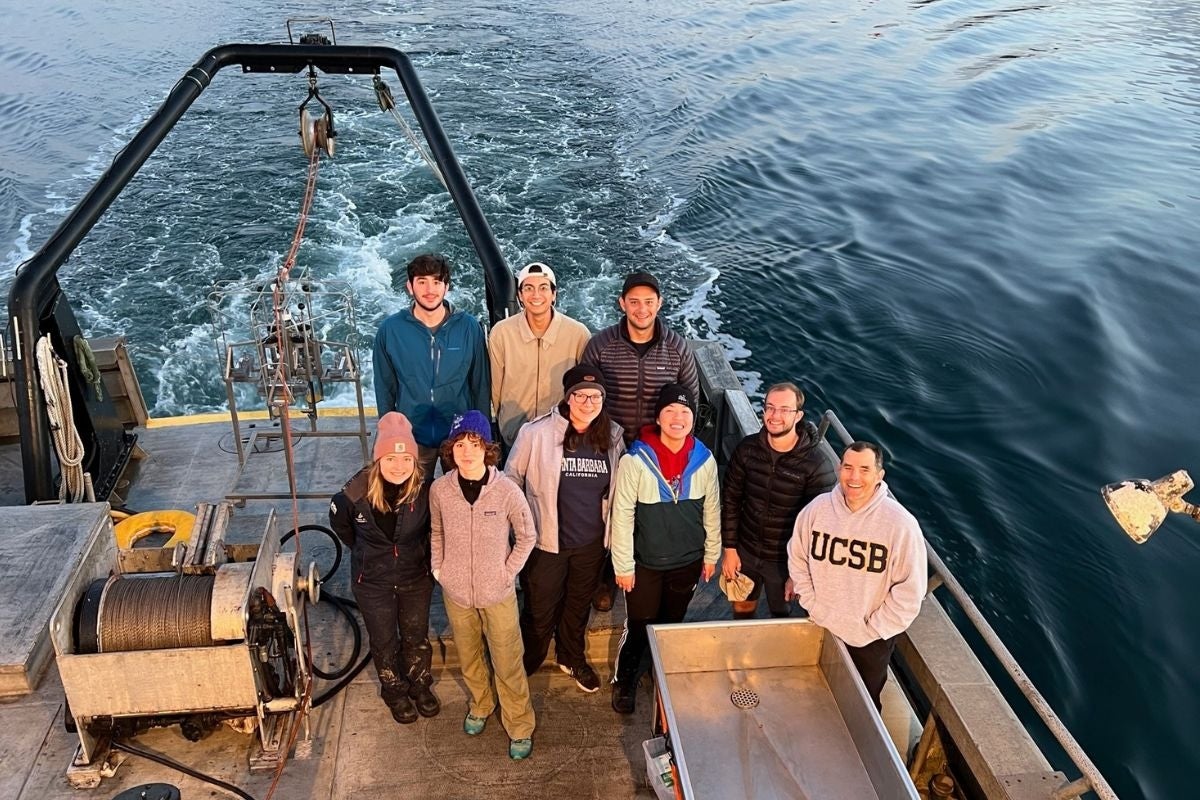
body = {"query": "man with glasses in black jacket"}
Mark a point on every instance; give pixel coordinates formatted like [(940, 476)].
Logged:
[(772, 475)]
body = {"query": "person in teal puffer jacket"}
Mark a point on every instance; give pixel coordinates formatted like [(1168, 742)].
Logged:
[(665, 523), (430, 361)]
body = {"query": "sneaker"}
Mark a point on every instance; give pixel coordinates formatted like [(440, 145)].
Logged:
[(403, 710), (585, 677), (473, 725), (520, 748), (624, 696), (427, 702)]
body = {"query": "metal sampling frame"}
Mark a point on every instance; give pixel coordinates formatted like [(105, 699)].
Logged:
[(303, 369)]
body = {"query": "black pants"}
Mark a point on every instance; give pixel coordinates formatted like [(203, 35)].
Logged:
[(557, 589), (397, 621), (607, 576), (657, 596), (770, 578), (871, 661)]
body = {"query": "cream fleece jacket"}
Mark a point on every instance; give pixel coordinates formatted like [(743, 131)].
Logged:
[(862, 575), (527, 371), (535, 464), (470, 554)]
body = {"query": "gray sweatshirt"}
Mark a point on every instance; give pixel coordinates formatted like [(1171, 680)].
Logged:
[(862, 574), (471, 556)]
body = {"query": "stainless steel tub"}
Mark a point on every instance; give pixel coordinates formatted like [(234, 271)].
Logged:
[(814, 734)]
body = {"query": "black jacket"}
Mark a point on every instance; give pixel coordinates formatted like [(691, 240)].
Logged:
[(376, 556), (760, 498), (633, 380)]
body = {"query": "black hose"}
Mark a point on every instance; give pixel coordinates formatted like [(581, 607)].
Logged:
[(340, 603), (175, 765), (337, 546), (329, 693), (346, 607)]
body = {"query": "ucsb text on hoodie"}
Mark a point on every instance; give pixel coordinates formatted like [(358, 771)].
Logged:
[(862, 575)]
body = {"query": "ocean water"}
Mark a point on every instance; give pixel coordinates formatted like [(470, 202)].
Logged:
[(969, 226)]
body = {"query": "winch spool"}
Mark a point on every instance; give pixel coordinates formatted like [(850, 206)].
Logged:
[(159, 612)]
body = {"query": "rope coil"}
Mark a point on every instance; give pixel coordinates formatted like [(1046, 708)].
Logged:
[(52, 374)]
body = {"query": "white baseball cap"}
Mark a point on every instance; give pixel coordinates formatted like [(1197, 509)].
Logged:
[(536, 268)]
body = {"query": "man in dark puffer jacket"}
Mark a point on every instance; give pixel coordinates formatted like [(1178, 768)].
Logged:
[(640, 355), (772, 475)]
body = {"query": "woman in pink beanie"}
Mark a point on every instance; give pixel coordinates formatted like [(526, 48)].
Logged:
[(382, 514)]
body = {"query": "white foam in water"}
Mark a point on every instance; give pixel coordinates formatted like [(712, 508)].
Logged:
[(21, 251), (535, 142), (697, 307)]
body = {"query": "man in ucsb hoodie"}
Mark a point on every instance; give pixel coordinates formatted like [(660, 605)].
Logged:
[(857, 559), (430, 361)]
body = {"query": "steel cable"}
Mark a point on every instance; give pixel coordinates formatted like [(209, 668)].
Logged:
[(156, 613)]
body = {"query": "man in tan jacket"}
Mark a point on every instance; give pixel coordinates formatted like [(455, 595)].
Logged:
[(530, 353)]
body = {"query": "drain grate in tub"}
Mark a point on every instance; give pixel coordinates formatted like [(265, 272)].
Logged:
[(744, 698)]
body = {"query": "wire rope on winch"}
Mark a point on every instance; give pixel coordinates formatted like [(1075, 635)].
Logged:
[(383, 95), (52, 374), (161, 612)]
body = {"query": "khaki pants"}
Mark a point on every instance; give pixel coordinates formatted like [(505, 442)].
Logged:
[(499, 625)]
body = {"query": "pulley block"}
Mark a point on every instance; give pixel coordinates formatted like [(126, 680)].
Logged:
[(317, 134)]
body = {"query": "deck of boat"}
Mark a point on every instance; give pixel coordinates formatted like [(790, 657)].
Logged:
[(582, 748)]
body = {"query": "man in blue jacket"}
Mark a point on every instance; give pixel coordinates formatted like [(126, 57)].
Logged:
[(430, 361)]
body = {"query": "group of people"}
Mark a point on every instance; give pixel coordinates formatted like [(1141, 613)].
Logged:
[(592, 476)]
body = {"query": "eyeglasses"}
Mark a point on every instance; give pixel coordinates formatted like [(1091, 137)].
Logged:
[(787, 412), (594, 398)]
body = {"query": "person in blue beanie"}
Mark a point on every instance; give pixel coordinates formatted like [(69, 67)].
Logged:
[(473, 509)]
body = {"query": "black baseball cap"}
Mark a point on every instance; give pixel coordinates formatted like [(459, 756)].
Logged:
[(640, 279)]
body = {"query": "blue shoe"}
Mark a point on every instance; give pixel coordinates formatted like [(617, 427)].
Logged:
[(473, 725), (520, 748)]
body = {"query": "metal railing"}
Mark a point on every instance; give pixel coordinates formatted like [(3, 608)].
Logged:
[(1092, 779), (37, 304)]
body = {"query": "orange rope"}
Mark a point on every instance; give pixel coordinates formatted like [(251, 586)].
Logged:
[(281, 375)]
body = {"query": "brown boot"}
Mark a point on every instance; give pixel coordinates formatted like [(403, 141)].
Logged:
[(602, 598)]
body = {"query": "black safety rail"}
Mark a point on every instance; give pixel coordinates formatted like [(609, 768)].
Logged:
[(37, 305)]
